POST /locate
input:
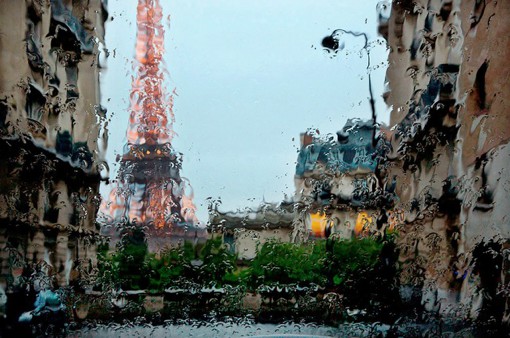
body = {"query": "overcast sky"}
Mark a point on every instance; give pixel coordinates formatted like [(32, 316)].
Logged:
[(250, 77)]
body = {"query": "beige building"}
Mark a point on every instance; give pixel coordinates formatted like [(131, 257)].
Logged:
[(50, 117), (244, 231), (448, 80), (337, 191)]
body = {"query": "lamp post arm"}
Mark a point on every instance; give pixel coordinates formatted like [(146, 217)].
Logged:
[(371, 100), (356, 34)]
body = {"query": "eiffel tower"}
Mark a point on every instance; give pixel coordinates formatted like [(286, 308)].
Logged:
[(149, 190)]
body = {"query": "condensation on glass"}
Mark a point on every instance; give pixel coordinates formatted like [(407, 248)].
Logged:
[(393, 229)]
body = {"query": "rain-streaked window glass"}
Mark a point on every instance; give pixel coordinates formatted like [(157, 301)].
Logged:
[(258, 168)]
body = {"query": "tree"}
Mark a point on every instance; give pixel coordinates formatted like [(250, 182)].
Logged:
[(286, 263), (130, 257), (172, 267), (217, 262)]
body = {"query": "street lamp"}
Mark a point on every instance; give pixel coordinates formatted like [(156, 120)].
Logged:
[(332, 43)]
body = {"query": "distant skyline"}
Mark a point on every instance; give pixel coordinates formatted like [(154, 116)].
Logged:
[(249, 77)]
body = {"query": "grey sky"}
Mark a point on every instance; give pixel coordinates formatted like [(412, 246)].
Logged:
[(249, 81)]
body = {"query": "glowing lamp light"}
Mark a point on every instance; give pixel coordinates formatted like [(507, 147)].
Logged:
[(363, 222), (318, 223)]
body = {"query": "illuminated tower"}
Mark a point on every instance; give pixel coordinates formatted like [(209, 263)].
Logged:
[(149, 189)]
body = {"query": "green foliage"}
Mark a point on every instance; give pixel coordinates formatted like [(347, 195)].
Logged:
[(286, 263), (217, 262), (348, 259), (364, 269), (125, 267), (108, 271), (171, 267), (130, 258), (238, 277), (132, 267)]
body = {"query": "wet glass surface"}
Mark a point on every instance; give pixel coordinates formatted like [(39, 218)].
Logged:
[(270, 168)]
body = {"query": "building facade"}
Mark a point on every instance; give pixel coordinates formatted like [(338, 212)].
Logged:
[(50, 126), (246, 231), (337, 188), (450, 130)]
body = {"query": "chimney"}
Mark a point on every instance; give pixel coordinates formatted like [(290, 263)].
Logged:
[(306, 139)]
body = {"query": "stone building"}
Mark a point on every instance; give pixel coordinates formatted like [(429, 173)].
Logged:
[(244, 231), (337, 190), (50, 125), (448, 80)]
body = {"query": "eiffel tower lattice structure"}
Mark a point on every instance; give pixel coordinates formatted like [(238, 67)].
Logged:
[(149, 190)]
